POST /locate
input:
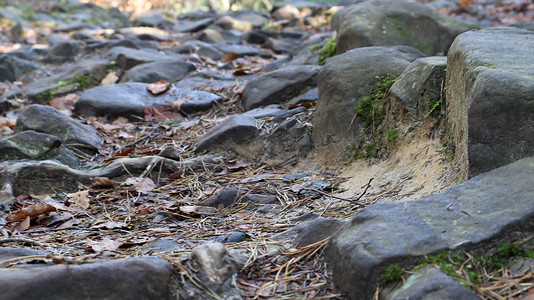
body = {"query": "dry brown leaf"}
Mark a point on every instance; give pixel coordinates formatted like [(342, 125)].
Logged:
[(140, 184), (80, 199), (104, 245), (110, 78), (228, 56), (25, 224), (64, 103), (161, 113), (158, 88), (7, 122), (31, 211), (58, 205), (101, 183)]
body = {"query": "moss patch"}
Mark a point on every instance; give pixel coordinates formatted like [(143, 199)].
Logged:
[(371, 113), (329, 50), (393, 274)]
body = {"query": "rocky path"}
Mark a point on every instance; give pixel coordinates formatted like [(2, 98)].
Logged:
[(211, 155)]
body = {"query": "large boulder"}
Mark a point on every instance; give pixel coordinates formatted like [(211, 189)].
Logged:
[(490, 98), (344, 80), (478, 215), (392, 22)]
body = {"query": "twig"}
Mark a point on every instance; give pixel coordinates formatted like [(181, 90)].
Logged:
[(21, 240), (335, 197)]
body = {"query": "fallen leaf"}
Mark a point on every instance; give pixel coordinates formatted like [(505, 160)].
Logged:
[(120, 154), (158, 88), (103, 245), (80, 199), (177, 104), (101, 183), (64, 103), (241, 72), (31, 211), (140, 184), (25, 224), (142, 211), (175, 175), (5, 122), (228, 56), (110, 78), (307, 105), (58, 205), (162, 113)]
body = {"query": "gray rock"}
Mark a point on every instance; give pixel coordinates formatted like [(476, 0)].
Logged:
[(169, 71), (193, 26), (144, 33), (130, 99), (279, 86), (245, 50), (421, 85), (476, 215), (285, 12), (232, 237), (227, 197), (12, 67), (127, 58), (312, 231), (199, 47), (430, 283), (227, 22), (47, 119), (161, 246), (43, 177), (268, 111), (232, 132), (286, 45), (215, 266), (29, 144), (344, 80), (216, 35), (128, 278), (81, 75), (65, 48), (9, 253), (154, 18), (389, 23), (490, 88), (257, 19)]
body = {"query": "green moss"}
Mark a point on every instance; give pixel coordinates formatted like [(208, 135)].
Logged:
[(391, 135), (393, 273), (83, 81), (433, 106), (329, 50), (315, 47), (45, 96)]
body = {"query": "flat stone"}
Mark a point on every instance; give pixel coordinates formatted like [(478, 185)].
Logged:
[(128, 278), (193, 26), (279, 86), (131, 98), (71, 132), (430, 283), (245, 50), (476, 215), (161, 246), (490, 93), (200, 48), (127, 58), (169, 71)]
